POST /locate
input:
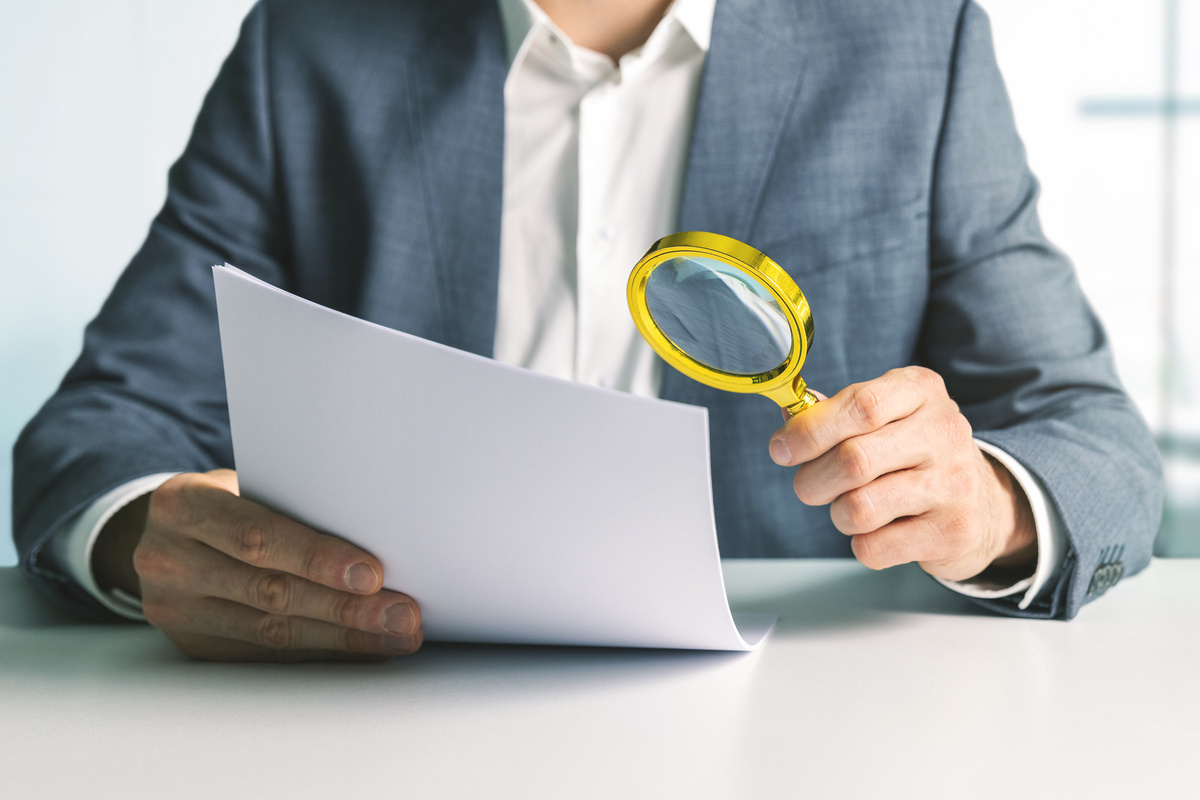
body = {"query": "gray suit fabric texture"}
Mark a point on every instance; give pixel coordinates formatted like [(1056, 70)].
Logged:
[(351, 152)]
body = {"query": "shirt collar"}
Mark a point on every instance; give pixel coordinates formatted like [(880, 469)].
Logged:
[(522, 17), (696, 17)]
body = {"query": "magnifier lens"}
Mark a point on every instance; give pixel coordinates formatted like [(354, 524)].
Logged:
[(724, 314), (718, 316)]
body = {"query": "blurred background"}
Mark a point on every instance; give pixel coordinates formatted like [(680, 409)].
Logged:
[(97, 100)]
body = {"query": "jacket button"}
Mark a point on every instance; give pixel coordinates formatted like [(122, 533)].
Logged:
[(1111, 569)]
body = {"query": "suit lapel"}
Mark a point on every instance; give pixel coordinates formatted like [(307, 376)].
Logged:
[(457, 86), (751, 81)]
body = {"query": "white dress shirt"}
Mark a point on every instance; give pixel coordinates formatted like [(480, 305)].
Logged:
[(594, 159)]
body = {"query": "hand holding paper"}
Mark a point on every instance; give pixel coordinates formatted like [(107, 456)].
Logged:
[(226, 579), (512, 506)]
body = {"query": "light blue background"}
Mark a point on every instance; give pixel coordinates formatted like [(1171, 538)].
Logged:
[(96, 101)]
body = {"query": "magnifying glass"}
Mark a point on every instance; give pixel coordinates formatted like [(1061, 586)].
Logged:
[(723, 313)]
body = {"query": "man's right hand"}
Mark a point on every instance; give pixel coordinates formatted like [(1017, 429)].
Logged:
[(226, 579)]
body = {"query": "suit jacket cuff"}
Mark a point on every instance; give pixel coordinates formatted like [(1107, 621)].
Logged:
[(72, 545), (1051, 541)]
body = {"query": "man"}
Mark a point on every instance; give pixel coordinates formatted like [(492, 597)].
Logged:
[(486, 177)]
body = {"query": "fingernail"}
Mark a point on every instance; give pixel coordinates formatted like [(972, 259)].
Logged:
[(401, 644), (399, 618), (781, 454), (361, 578)]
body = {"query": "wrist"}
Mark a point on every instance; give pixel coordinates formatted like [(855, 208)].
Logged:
[(1015, 532), (112, 554)]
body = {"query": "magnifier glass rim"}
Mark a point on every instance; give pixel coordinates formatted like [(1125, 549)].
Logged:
[(745, 259)]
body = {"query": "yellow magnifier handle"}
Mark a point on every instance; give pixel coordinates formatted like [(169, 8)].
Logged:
[(806, 400)]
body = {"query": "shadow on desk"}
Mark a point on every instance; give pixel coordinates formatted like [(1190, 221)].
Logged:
[(851, 596)]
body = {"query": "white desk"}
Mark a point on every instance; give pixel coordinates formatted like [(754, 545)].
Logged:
[(874, 685)]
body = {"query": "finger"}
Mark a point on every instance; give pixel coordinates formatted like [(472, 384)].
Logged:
[(257, 536), (859, 460), (942, 543), (858, 409), (218, 575), (900, 542), (214, 648), (279, 593), (882, 502), (224, 619), (226, 479)]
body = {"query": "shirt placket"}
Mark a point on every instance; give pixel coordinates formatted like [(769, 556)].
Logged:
[(597, 232)]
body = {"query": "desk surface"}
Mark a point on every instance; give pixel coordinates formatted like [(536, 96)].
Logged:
[(873, 685)]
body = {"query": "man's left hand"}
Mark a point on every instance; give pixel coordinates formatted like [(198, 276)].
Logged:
[(899, 465)]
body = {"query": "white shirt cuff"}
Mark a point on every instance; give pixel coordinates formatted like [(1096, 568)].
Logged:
[(1051, 539), (72, 545)]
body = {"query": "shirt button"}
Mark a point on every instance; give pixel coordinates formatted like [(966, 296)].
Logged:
[(606, 382), (607, 234)]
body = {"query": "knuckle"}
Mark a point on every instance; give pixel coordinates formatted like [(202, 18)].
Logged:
[(867, 405), (855, 460), (156, 565), (956, 428), (249, 537), (928, 379), (275, 632), (345, 610), (149, 561), (169, 502), (270, 592), (312, 560), (805, 440), (347, 640), (858, 511)]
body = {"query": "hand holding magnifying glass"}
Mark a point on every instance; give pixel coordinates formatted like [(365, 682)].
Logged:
[(893, 458)]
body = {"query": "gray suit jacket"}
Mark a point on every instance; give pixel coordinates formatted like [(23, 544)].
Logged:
[(351, 151)]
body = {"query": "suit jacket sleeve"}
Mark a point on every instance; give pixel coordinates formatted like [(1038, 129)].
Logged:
[(1029, 365), (147, 394)]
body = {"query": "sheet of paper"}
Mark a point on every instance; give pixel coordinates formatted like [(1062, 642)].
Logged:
[(514, 507)]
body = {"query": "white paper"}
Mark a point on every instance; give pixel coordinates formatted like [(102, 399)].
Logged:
[(514, 507)]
